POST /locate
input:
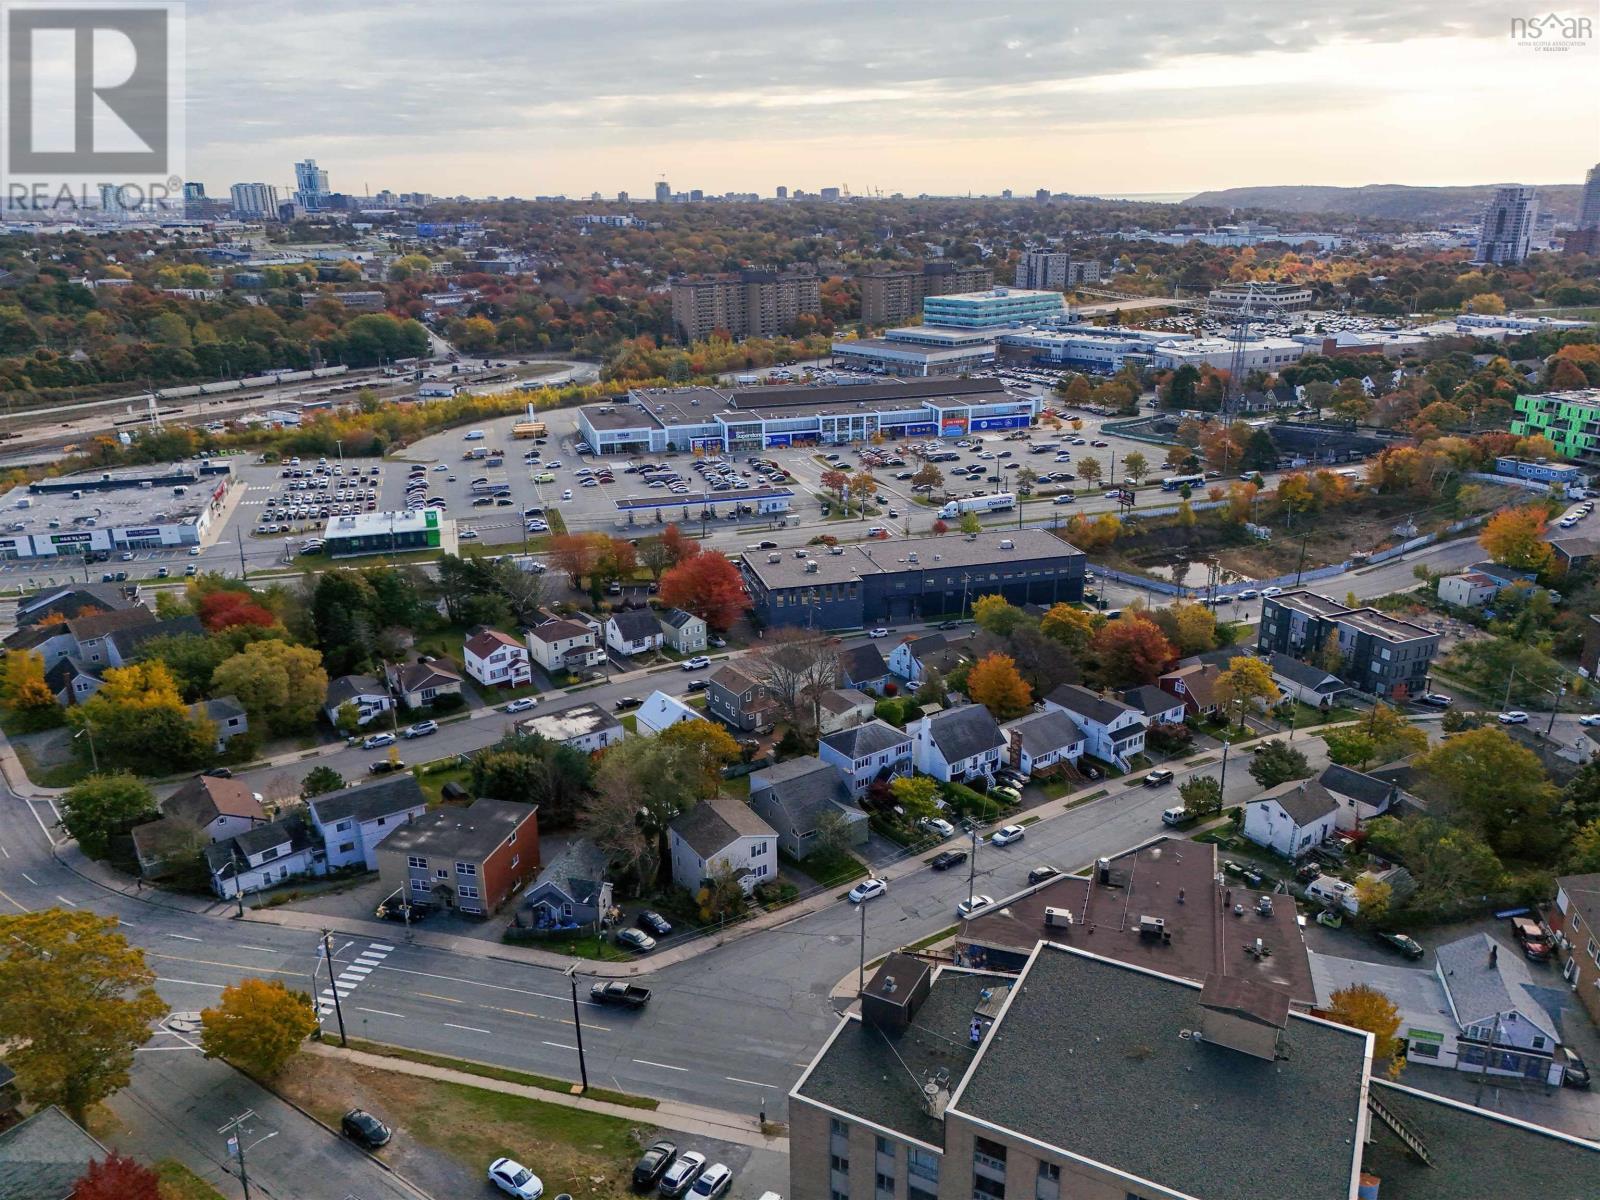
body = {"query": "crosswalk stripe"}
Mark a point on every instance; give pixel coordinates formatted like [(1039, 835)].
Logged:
[(379, 946)]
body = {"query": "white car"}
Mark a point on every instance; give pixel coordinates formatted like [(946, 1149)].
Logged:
[(937, 826), (878, 632), (1272, 591), (698, 663), (1591, 719), (1515, 717), (376, 740), (522, 705), (967, 907), (713, 1181), (514, 1179), (1006, 835), (1248, 594), (566, 494), (868, 889)]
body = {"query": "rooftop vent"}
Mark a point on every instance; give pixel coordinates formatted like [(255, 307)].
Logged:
[(912, 557), (1057, 918), (811, 566), (774, 557), (1007, 544)]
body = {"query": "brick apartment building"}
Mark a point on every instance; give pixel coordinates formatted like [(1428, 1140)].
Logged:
[(890, 294), (746, 303), (470, 859)]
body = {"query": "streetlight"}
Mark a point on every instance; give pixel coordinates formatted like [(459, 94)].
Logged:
[(577, 1024), (94, 758)]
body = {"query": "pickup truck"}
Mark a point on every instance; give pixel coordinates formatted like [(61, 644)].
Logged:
[(622, 995)]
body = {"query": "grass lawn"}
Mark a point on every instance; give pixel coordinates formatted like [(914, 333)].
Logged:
[(1305, 716), (584, 1154), (739, 786), (587, 946), (57, 775), (829, 868), (180, 1183), (432, 785), (504, 1074), (630, 722)]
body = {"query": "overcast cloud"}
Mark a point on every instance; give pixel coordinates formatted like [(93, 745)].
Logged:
[(545, 96)]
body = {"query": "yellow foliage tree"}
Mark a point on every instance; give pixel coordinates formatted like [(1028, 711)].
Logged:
[(1514, 537), (995, 683), (1069, 625), (22, 685), (1368, 1009), (257, 1026), (1246, 680), (709, 746)]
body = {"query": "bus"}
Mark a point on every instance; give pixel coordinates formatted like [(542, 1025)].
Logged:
[(1173, 483)]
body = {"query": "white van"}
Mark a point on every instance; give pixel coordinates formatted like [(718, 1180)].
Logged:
[(1176, 815)]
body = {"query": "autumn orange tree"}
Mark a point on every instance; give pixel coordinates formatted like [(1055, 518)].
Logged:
[(575, 555), (1366, 1008), (993, 681), (258, 1025), (24, 692), (1131, 650), (1514, 537), (709, 586)]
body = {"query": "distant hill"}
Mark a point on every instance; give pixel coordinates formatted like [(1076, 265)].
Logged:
[(1386, 201)]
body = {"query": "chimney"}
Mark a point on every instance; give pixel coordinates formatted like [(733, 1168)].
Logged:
[(1494, 955)]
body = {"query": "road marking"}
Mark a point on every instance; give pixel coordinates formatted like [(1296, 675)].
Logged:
[(558, 1045), (645, 1062), (357, 969), (9, 900), (120, 921), (468, 1028), (498, 987), (28, 877), (431, 996), (751, 1082), (190, 982), (4, 851), (259, 949), (183, 937), (379, 946), (64, 900), (381, 1012), (368, 959)]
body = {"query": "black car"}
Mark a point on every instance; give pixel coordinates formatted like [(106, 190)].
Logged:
[(1577, 1072), (1040, 874), (949, 625), (698, 685), (383, 767), (652, 1164), (1402, 943), (365, 1129), (946, 859), (653, 922), (218, 773), (627, 702)]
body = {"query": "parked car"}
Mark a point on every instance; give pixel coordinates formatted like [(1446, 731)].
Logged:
[(636, 940), (1577, 1073), (1040, 874), (217, 773), (626, 702), (365, 1129), (618, 994), (1009, 794), (698, 663), (514, 1179), (698, 685), (375, 740), (385, 766), (868, 889), (420, 729), (879, 632), (1006, 835), (937, 826), (1531, 937), (678, 1177), (1589, 719), (652, 1164), (1515, 717), (1157, 778), (947, 859), (965, 908), (1435, 700), (712, 1183), (1401, 942), (653, 922), (1011, 778), (522, 705)]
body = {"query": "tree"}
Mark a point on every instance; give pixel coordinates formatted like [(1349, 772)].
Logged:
[(1331, 659), (722, 895), (1392, 735), (708, 746), (280, 685), (1191, 628), (1246, 681), (994, 683), (709, 586), (613, 820), (1514, 537), (835, 481), (680, 546), (862, 486), (138, 720), (575, 555), (117, 1178), (258, 1026), (969, 523), (1373, 897), (917, 794), (191, 657), (1202, 796), (24, 691), (654, 555), (534, 770), (1452, 865), (225, 608), (796, 666), (103, 807), (1500, 788), (1278, 762), (76, 1000), (1089, 470), (997, 615), (1132, 650), (1366, 1008), (347, 718), (319, 781), (1351, 747), (927, 478), (1136, 466), (1070, 626)]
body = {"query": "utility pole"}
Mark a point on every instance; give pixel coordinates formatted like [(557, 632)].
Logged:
[(1222, 783), (577, 1024), (1509, 679), (1555, 708), (1483, 1076), (238, 887), (972, 866), (333, 986), (1301, 565), (234, 1127), (861, 970)]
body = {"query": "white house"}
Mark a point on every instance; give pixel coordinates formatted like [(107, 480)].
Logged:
[(685, 632), (421, 683), (634, 631), (867, 752), (1292, 818), (722, 834), (1159, 707), (496, 659), (957, 744), (659, 711), (1112, 731), (844, 707), (1470, 589), (565, 646), (262, 857), (1306, 683), (353, 820), (1360, 797), (370, 697), (1042, 740), (914, 658), (586, 727)]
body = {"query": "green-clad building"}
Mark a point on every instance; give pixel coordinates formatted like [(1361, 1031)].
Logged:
[(1570, 420), (390, 533)]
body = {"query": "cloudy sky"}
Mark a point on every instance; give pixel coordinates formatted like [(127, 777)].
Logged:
[(524, 97)]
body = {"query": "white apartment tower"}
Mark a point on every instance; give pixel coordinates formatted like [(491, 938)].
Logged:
[(1508, 225)]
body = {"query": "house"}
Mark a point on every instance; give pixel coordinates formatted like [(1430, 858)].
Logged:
[(352, 821), (1469, 589), (1573, 919), (1113, 731), (1042, 740), (1503, 576), (71, 682), (722, 834), (841, 708), (1292, 818), (419, 684), (737, 698), (586, 727), (202, 811), (44, 1156), (634, 631), (226, 714), (561, 645), (263, 856), (571, 892), (370, 697), (496, 659), (91, 635), (54, 604), (659, 711), (470, 859), (1308, 684), (1158, 706), (127, 644), (957, 744), (1360, 797), (685, 632), (801, 798), (1589, 656), (1195, 683), (913, 659), (862, 667), (1575, 553), (865, 753)]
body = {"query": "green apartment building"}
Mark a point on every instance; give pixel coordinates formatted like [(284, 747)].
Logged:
[(1570, 420)]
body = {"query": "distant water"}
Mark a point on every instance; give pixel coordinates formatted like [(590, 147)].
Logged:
[(1146, 197)]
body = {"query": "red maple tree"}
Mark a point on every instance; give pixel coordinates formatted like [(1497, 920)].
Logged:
[(709, 586), (225, 609), (1132, 650), (117, 1178), (679, 546)]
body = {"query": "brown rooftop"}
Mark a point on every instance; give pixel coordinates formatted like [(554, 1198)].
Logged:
[(1243, 998)]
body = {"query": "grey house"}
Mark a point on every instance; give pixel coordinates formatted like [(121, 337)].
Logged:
[(738, 698), (227, 714), (1307, 684), (867, 752), (571, 891), (799, 798), (863, 667)]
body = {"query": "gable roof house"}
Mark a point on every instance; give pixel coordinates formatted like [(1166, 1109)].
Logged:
[(957, 744), (354, 820), (1494, 1000), (634, 631), (1360, 797), (419, 684), (571, 892), (915, 657), (263, 856), (92, 634), (1113, 731), (126, 644), (1306, 683), (863, 667), (44, 1156), (370, 697), (562, 645), (1040, 741), (722, 834), (866, 753), (1292, 819), (685, 632), (68, 600), (1159, 707), (799, 798), (1195, 683), (737, 698), (71, 681), (661, 711), (226, 715), (841, 708), (496, 659)]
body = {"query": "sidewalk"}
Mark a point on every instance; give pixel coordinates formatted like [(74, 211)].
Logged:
[(669, 1114)]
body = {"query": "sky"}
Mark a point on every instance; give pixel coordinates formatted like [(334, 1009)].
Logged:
[(540, 97)]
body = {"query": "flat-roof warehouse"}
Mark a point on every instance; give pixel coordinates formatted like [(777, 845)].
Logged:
[(107, 511)]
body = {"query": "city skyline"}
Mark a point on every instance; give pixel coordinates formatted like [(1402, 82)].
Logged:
[(750, 97)]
